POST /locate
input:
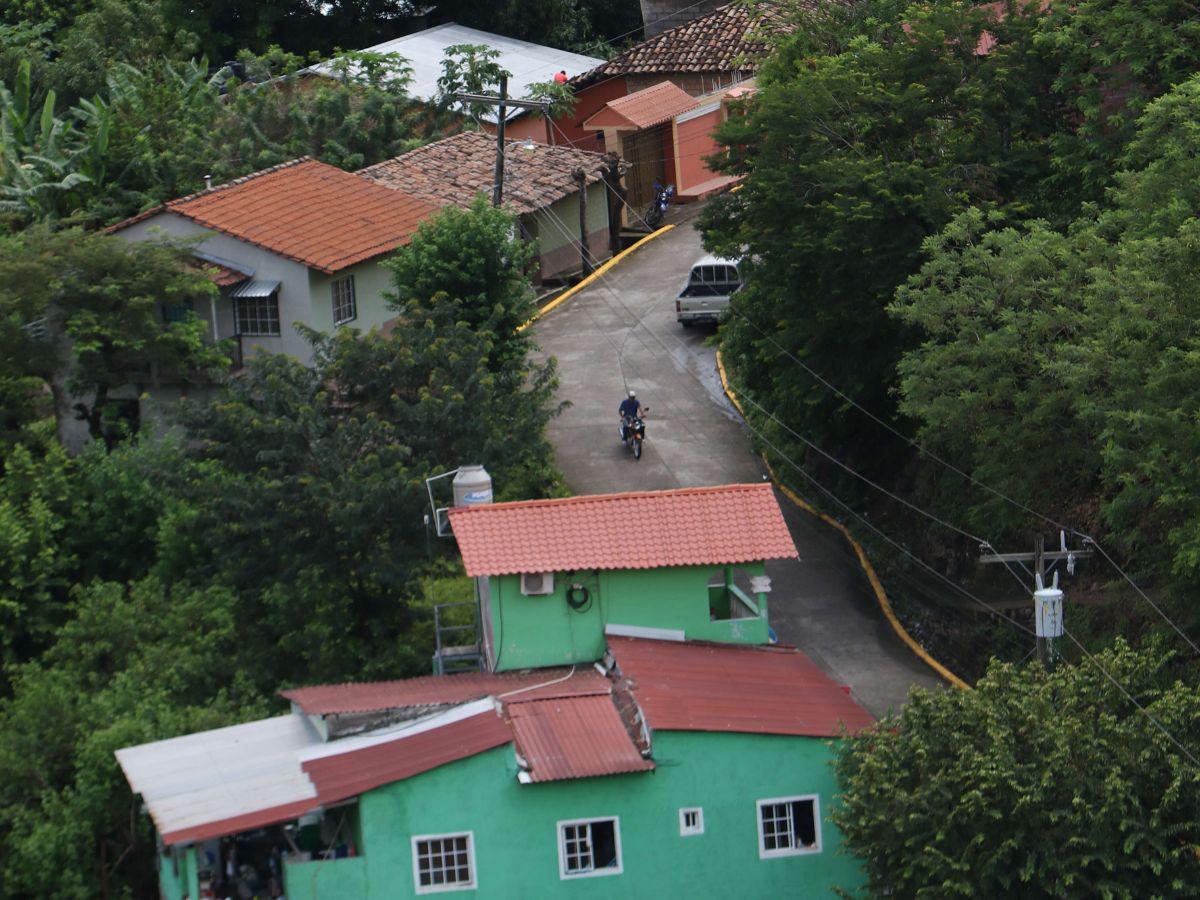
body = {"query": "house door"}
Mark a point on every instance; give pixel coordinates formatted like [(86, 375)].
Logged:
[(644, 151)]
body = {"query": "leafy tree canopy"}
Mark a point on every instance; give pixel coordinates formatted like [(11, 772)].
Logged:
[(1032, 785)]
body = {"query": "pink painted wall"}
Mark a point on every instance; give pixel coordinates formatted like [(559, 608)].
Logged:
[(695, 141)]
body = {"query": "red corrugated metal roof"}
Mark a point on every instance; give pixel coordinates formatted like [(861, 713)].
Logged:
[(306, 210), (237, 824), (689, 686), (643, 109), (691, 526), (347, 773), (573, 737), (434, 690)]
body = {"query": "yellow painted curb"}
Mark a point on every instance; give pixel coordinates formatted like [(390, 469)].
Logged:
[(876, 585), (608, 264)]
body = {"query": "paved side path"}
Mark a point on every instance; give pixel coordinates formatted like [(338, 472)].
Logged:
[(621, 333)]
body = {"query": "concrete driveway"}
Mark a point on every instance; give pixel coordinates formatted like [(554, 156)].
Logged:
[(620, 333)]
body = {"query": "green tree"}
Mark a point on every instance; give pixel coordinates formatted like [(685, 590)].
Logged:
[(995, 384), (870, 131), (1113, 58), (1032, 785), (470, 68), (359, 116), (476, 258), (1060, 367), (136, 663), (36, 557), (84, 313)]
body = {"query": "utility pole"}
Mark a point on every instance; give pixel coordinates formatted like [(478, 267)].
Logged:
[(616, 198), (1047, 601), (502, 103), (584, 253)]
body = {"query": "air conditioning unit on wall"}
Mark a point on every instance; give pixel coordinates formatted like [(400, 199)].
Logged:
[(536, 584)]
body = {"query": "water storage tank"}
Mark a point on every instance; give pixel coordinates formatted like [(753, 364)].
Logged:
[(472, 486)]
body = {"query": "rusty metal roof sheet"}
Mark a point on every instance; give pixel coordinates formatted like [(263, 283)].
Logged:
[(433, 690), (573, 737), (691, 526), (690, 686), (351, 766)]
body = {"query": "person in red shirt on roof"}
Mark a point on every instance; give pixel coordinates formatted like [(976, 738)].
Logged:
[(561, 77)]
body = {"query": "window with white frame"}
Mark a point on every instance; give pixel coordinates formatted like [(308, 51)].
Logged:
[(344, 307), (691, 821), (444, 862), (257, 316), (589, 847), (789, 826)]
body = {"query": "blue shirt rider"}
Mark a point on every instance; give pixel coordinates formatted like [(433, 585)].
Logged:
[(629, 409)]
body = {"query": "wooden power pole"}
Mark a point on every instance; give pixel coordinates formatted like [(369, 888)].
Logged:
[(1047, 600), (502, 103), (584, 253)]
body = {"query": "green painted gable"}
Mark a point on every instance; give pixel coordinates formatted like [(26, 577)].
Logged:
[(514, 827)]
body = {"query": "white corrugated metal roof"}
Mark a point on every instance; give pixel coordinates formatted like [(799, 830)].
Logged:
[(215, 775), (528, 63)]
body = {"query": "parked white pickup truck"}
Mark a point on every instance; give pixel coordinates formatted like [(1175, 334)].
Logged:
[(706, 294)]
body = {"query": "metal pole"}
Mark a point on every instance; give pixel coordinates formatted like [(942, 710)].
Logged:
[(498, 190), (584, 252)]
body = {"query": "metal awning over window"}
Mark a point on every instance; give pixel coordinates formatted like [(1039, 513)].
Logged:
[(255, 289)]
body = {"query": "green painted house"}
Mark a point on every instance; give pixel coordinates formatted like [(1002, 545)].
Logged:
[(661, 752)]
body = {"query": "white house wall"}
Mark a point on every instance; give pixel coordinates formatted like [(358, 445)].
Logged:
[(371, 280), (295, 301)]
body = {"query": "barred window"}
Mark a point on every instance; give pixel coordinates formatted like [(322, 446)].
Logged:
[(444, 862), (257, 316), (589, 847), (344, 307), (788, 826)]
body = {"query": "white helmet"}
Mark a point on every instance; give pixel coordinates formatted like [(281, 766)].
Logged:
[(632, 393)]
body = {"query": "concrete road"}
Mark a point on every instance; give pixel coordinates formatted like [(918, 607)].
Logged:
[(620, 333)]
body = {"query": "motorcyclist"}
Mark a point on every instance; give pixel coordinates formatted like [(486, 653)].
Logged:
[(630, 409)]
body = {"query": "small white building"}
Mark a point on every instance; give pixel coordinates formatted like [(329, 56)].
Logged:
[(298, 243)]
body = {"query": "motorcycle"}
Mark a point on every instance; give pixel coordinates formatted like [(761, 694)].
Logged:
[(633, 433), (658, 206)]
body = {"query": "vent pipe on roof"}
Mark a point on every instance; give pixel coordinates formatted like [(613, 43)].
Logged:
[(208, 182), (472, 486)]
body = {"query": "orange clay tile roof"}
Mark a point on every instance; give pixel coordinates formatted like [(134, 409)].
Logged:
[(725, 40), (573, 737), (308, 211), (643, 109), (458, 168), (691, 526)]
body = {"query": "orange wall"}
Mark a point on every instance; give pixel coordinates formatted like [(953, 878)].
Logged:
[(695, 141)]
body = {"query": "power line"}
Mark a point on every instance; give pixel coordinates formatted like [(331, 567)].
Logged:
[(1092, 659), (950, 582), (812, 480), (845, 467), (1142, 593), (734, 309)]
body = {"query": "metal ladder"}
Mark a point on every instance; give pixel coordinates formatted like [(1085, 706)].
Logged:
[(456, 657)]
